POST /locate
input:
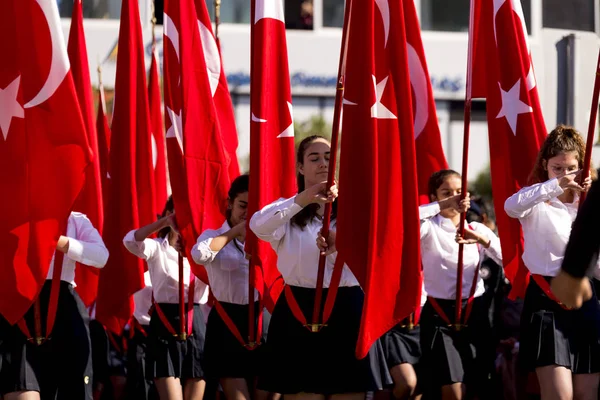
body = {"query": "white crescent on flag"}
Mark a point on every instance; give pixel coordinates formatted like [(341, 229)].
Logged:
[(211, 56), (419, 83), (59, 66)]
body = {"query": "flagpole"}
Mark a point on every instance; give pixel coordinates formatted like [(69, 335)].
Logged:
[(465, 165), (153, 21), (252, 340), (339, 97), (591, 131), (217, 18)]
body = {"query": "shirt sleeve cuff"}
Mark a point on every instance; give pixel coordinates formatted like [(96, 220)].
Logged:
[(552, 187), (75, 251), (429, 210)]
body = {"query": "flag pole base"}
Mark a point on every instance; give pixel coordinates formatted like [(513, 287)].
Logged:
[(181, 336), (458, 327)]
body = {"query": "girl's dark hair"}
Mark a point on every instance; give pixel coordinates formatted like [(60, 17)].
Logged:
[(169, 207), (309, 212), (238, 186), (437, 179), (563, 139)]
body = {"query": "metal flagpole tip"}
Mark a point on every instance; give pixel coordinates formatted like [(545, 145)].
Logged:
[(315, 328)]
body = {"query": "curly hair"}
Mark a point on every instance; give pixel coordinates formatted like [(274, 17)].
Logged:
[(563, 139)]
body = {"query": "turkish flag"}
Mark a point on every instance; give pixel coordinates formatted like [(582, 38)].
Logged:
[(378, 216), (272, 158), (131, 202), (428, 141), (503, 74), (90, 199), (159, 155), (198, 165), (44, 152), (221, 96)]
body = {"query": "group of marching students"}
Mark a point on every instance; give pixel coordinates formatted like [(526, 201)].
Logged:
[(428, 355)]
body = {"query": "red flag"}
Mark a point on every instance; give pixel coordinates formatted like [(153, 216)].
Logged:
[(197, 160), (132, 180), (378, 219), (159, 156), (90, 199), (503, 74), (220, 90), (43, 148), (103, 132), (272, 158), (428, 141)]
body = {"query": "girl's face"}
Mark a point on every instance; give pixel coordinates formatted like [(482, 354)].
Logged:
[(315, 164), (451, 186), (239, 207), (561, 164)]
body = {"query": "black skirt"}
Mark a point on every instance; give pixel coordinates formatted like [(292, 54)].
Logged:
[(166, 355), (402, 345), (99, 340), (117, 353), (448, 355), (4, 330), (551, 335), (138, 385), (297, 360), (62, 364), (224, 355)]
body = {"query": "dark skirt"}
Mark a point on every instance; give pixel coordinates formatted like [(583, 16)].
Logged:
[(62, 364), (551, 335), (224, 355), (117, 353), (4, 331), (402, 345), (99, 340), (297, 360), (448, 355), (167, 356), (138, 385)]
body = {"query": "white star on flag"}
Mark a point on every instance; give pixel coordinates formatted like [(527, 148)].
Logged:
[(176, 129), (378, 110), (512, 106), (9, 106), (289, 131)]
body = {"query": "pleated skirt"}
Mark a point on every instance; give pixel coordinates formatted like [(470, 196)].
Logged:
[(297, 360), (551, 335), (169, 357)]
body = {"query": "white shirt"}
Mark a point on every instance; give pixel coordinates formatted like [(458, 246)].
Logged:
[(85, 247), (546, 223), (163, 265), (227, 269), (296, 248), (143, 301), (439, 253)]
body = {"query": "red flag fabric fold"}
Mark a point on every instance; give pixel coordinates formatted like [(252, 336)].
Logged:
[(198, 165), (131, 202), (44, 152), (378, 219), (503, 75), (90, 199), (272, 158)]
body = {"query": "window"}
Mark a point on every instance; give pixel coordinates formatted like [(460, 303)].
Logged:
[(453, 16), (232, 11), (573, 14), (298, 14), (91, 9), (333, 13)]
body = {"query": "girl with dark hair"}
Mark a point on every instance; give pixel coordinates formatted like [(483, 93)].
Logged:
[(173, 362), (221, 251), (448, 345), (559, 344), (299, 363)]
